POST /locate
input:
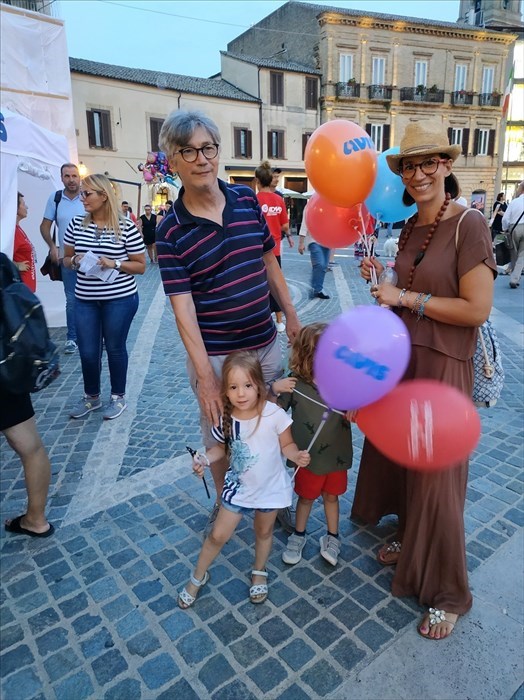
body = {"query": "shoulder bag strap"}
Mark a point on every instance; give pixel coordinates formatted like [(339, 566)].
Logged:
[(516, 223), (57, 200), (479, 332)]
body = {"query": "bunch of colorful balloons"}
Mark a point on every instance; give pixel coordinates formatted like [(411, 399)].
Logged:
[(156, 168), (363, 354)]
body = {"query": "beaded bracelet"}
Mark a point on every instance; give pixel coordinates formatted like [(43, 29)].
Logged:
[(422, 305), (417, 302), (400, 297)]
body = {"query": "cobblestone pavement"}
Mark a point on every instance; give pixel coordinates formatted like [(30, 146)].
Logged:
[(91, 612)]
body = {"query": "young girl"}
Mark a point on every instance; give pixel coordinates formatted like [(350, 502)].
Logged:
[(331, 452), (254, 433)]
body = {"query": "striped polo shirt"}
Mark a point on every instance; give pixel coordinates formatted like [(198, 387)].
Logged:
[(222, 267), (104, 243)]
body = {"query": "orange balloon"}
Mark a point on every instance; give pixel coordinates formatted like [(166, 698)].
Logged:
[(332, 226), (341, 162)]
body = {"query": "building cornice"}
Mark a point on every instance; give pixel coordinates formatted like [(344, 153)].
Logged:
[(406, 27)]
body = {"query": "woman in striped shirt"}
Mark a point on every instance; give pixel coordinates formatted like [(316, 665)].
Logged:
[(107, 251)]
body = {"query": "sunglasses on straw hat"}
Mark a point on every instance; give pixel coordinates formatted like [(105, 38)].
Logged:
[(421, 139)]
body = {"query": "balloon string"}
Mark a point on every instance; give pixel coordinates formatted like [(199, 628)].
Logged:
[(365, 243), (322, 423)]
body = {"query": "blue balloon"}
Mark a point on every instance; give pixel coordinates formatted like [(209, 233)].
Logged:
[(385, 201)]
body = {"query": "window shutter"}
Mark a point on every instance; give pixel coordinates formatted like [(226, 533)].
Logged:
[(269, 154), (305, 138), (491, 142), (249, 142), (465, 141), (386, 137), (107, 141), (368, 129), (450, 134), (236, 140), (476, 142), (90, 129), (281, 144)]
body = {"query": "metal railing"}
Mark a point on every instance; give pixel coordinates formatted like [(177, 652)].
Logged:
[(380, 92), (460, 97), (348, 90), (489, 99), (411, 94)]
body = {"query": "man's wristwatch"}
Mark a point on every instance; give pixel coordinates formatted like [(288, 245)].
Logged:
[(118, 264)]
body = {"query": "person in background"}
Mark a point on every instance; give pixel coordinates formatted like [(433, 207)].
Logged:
[(513, 221), (148, 224), (319, 255), (104, 308), (24, 251), (17, 423), (275, 213), (60, 209), (445, 293), (499, 207), (276, 173), (127, 212), (218, 269)]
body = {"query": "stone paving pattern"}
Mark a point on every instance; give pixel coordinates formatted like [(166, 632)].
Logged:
[(92, 613)]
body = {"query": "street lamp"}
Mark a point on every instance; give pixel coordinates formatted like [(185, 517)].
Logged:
[(82, 169)]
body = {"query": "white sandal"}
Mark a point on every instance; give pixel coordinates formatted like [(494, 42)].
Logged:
[(258, 591), (185, 599), (391, 548), (435, 617)]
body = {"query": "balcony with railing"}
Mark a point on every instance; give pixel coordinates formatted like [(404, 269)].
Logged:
[(489, 99), (380, 92), (348, 90), (461, 97), (419, 94)]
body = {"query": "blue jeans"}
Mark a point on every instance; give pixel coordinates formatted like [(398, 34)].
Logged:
[(109, 321), (319, 260), (69, 280)]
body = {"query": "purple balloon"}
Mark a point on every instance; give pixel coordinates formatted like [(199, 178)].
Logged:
[(360, 357)]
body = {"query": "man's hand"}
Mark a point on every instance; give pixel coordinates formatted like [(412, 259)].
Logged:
[(54, 252), (293, 326), (301, 245), (208, 390)]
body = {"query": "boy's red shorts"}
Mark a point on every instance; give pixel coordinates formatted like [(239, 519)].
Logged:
[(310, 486)]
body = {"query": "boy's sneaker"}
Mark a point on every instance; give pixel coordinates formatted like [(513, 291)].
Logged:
[(85, 406), (292, 554), (330, 549), (70, 347), (116, 406)]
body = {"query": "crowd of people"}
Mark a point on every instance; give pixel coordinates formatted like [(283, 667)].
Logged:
[(217, 247)]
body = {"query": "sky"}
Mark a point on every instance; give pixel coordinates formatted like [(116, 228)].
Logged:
[(187, 37)]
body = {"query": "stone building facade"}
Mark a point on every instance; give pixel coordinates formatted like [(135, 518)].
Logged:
[(383, 71)]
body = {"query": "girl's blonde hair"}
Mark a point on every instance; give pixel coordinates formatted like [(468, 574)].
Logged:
[(303, 351), (264, 174), (114, 219), (250, 363)]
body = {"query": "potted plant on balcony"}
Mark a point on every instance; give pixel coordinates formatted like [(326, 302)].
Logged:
[(433, 89), (420, 89)]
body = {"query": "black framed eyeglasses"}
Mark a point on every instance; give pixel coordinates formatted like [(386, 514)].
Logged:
[(427, 167), (83, 194), (190, 154)]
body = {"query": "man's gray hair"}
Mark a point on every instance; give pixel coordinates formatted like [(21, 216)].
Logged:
[(179, 127)]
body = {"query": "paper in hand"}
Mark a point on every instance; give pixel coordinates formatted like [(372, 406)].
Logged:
[(90, 267)]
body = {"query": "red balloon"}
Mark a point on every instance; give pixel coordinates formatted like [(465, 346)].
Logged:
[(331, 226), (341, 162), (422, 424)]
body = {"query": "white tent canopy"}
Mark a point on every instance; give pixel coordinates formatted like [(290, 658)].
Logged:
[(30, 160)]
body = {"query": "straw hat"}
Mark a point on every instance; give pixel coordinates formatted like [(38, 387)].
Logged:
[(423, 139)]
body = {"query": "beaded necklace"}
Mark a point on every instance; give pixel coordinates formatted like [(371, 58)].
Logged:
[(407, 232)]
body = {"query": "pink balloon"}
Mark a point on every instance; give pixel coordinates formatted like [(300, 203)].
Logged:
[(361, 355), (422, 424), (332, 226)]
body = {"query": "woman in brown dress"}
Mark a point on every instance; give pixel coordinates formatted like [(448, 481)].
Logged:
[(445, 292)]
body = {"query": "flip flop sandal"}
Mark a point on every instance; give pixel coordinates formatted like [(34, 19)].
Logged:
[(258, 591), (435, 618), (15, 527), (391, 548), (185, 599)]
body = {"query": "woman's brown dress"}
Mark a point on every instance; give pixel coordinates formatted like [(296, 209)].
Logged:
[(430, 505)]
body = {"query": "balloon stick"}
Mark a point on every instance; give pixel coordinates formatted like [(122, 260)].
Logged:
[(322, 423)]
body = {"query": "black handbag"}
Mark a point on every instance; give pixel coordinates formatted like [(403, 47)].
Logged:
[(52, 269), (502, 253)]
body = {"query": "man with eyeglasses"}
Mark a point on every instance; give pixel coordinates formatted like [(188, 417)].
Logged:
[(61, 207), (216, 259)]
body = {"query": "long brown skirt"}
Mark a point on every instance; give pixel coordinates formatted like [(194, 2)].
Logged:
[(429, 505)]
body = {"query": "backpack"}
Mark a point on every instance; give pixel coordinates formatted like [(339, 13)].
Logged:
[(28, 357)]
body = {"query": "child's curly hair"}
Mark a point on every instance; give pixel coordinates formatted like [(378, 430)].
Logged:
[(249, 362), (303, 351)]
